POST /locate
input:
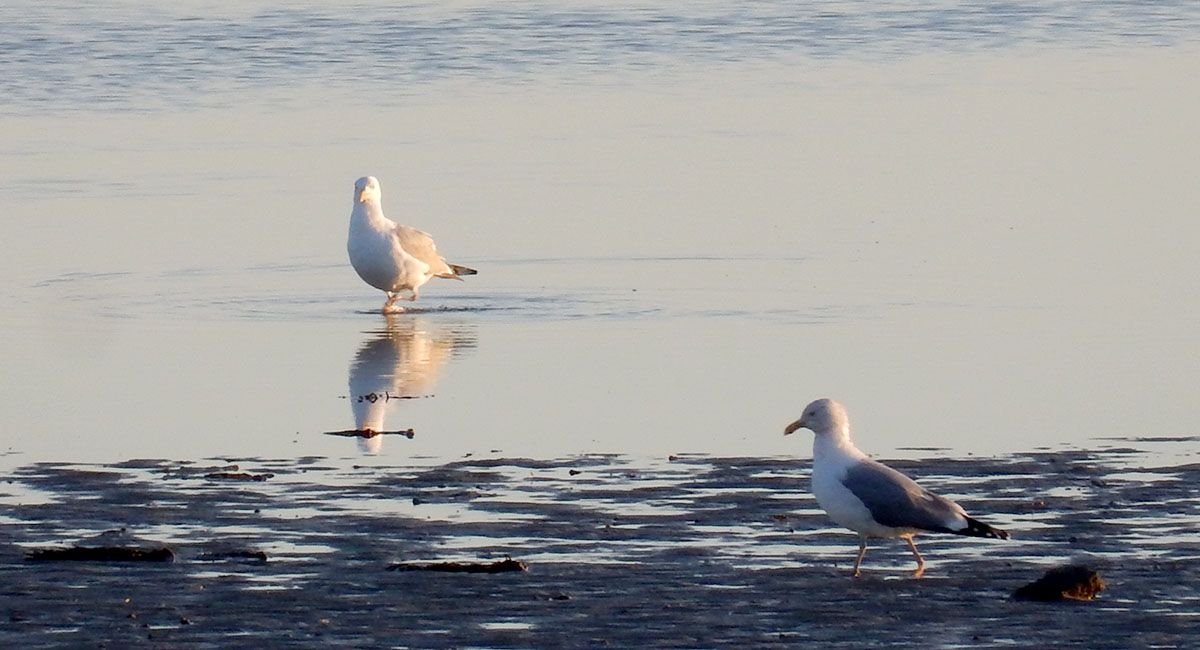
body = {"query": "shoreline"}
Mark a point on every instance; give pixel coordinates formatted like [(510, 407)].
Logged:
[(695, 551)]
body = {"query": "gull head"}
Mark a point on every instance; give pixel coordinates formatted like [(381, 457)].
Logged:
[(366, 190), (822, 416)]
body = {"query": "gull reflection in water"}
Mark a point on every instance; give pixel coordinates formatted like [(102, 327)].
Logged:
[(399, 363)]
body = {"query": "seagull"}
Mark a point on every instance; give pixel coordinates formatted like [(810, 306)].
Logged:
[(871, 498), (391, 257)]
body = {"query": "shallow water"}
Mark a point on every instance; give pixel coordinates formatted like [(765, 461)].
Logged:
[(974, 223)]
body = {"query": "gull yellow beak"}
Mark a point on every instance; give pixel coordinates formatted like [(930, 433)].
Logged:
[(791, 428), (362, 196)]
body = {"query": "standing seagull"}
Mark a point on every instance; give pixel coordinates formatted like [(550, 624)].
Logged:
[(388, 256), (871, 498)]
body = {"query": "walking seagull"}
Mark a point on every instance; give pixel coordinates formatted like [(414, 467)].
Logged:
[(871, 498), (391, 257)]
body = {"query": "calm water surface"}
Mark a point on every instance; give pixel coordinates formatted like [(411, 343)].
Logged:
[(974, 223)]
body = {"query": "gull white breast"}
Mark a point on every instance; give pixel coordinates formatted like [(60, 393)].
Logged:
[(395, 259)]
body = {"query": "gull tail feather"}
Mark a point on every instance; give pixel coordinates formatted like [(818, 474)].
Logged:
[(976, 528), (461, 270)]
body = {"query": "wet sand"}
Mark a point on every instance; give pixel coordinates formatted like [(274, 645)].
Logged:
[(683, 552)]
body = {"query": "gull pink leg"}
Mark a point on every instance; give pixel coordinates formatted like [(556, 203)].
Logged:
[(920, 560), (862, 550)]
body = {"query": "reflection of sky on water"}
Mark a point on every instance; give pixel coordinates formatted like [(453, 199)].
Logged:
[(401, 362), (982, 245), (571, 509)]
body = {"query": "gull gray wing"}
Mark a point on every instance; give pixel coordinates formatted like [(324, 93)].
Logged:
[(419, 244), (896, 500)]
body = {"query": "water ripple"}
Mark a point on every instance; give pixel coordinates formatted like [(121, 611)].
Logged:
[(55, 56)]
